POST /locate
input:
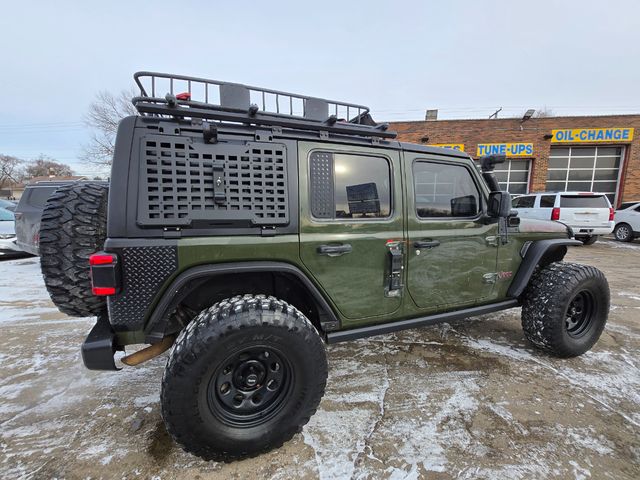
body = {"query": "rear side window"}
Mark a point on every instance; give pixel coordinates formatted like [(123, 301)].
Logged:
[(347, 186), (40, 195), (443, 190), (525, 202), (580, 201), (547, 201)]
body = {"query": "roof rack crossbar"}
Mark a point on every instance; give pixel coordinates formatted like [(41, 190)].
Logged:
[(216, 100)]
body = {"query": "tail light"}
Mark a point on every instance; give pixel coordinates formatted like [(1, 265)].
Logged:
[(105, 273), (555, 213), (611, 214)]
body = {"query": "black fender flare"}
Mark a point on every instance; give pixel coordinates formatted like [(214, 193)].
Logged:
[(533, 254), (175, 292)]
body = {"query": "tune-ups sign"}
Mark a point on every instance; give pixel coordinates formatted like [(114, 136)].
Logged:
[(592, 135), (507, 149)]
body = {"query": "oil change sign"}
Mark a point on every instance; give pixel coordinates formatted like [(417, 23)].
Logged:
[(592, 135), (453, 146), (507, 149)]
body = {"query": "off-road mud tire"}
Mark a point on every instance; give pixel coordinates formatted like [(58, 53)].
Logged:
[(73, 226), (191, 389), (552, 293)]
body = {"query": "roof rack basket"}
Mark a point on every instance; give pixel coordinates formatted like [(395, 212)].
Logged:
[(233, 102)]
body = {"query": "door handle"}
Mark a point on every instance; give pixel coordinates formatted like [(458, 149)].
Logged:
[(426, 243), (334, 250)]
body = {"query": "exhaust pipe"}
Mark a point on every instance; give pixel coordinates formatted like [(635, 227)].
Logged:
[(149, 352)]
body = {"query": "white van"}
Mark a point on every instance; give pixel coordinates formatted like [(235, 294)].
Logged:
[(588, 214)]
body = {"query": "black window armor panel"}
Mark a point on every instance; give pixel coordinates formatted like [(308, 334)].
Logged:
[(183, 183), (321, 179)]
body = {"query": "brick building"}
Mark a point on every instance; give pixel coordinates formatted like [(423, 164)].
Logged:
[(598, 153)]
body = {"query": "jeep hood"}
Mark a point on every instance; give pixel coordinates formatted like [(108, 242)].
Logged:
[(534, 225)]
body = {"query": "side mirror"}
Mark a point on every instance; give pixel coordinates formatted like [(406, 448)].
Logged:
[(499, 204)]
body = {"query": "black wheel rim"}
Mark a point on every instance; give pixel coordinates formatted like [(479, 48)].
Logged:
[(580, 313), (250, 387)]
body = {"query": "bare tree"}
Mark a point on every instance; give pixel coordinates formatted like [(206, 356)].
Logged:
[(10, 170), (103, 118), (44, 166)]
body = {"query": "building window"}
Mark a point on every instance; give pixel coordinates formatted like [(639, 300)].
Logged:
[(443, 190), (587, 169), (345, 186), (513, 176)]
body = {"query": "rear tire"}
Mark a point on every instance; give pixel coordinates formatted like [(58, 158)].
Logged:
[(73, 226), (243, 377), (565, 308), (623, 232), (589, 240)]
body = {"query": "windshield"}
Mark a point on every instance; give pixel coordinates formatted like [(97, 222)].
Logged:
[(581, 201), (6, 215)]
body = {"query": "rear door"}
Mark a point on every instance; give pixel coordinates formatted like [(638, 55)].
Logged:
[(452, 250), (585, 210), (525, 206), (546, 205), (350, 208)]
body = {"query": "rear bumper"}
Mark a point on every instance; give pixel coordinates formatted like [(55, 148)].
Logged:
[(100, 345), (9, 245)]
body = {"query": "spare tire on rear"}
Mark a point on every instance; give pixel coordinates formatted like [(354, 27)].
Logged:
[(73, 226)]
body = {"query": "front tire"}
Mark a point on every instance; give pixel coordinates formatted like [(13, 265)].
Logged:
[(243, 377), (623, 232), (565, 308)]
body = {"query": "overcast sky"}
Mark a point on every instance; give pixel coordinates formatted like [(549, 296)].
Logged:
[(466, 58)]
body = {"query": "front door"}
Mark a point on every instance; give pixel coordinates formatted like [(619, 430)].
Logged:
[(350, 208), (452, 249)]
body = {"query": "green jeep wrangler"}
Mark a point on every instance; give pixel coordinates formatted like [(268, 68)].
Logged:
[(244, 228)]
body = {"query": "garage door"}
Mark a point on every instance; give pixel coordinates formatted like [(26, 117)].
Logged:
[(513, 176), (585, 169)]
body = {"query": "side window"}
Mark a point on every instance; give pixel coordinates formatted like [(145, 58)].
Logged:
[(526, 202), (347, 186), (547, 201), (515, 203), (444, 190)]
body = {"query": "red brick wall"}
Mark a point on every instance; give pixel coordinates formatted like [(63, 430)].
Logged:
[(472, 132)]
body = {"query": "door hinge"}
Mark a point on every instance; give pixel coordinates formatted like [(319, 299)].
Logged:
[(396, 268), (172, 232), (492, 241), (268, 230)]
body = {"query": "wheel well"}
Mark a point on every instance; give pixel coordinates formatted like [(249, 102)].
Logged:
[(553, 254), (282, 285)]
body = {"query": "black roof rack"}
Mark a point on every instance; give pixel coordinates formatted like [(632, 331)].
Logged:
[(233, 102)]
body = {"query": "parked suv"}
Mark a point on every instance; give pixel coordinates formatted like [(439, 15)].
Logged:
[(247, 236), (28, 213), (627, 220), (589, 215)]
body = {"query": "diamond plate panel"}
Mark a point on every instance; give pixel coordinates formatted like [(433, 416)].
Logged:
[(145, 269)]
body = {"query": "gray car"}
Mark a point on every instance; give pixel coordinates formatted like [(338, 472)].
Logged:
[(7, 233)]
